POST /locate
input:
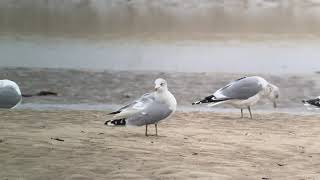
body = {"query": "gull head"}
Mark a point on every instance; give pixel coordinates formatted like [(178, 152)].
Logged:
[(160, 85), (274, 94)]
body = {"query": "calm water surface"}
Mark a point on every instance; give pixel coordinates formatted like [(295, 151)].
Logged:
[(182, 56)]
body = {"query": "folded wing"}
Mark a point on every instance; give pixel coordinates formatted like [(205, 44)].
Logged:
[(10, 94), (145, 110), (134, 107), (242, 88)]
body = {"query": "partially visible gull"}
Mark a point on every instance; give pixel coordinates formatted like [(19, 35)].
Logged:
[(314, 102), (150, 108), (243, 93), (10, 95)]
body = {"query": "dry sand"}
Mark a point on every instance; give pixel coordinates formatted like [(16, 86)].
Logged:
[(202, 145)]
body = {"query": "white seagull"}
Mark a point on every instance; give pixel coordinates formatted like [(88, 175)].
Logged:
[(314, 102), (243, 93), (150, 108), (10, 95)]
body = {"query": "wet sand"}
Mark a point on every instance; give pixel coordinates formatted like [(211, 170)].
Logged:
[(191, 145), (121, 87)]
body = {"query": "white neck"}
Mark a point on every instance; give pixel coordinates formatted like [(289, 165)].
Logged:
[(166, 97)]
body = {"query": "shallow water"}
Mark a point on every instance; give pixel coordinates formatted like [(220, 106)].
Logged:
[(242, 36), (177, 56)]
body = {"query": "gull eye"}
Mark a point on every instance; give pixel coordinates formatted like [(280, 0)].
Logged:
[(161, 84)]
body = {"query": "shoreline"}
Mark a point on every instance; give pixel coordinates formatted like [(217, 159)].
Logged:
[(76, 87), (303, 110)]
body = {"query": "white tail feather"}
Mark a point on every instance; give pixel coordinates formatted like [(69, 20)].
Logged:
[(217, 103)]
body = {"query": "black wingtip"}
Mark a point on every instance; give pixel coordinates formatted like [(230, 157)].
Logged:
[(194, 103), (116, 122), (314, 102)]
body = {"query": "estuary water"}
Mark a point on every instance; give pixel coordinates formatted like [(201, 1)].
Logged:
[(106, 52), (232, 56)]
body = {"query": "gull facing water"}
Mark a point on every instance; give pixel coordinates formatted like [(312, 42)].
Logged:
[(10, 95), (243, 93), (151, 108)]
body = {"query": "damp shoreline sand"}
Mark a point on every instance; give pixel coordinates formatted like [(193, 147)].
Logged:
[(120, 87)]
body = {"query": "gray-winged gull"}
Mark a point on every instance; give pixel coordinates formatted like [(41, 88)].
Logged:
[(10, 95), (243, 93), (150, 108)]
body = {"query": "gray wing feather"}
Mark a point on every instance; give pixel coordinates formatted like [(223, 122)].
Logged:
[(243, 88), (143, 99), (9, 97), (152, 114)]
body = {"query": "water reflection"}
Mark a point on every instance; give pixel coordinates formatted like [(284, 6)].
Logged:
[(158, 18)]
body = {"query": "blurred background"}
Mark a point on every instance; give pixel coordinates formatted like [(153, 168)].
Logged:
[(106, 52)]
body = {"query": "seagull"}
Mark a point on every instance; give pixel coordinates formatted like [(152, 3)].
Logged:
[(10, 94), (243, 93), (314, 102), (150, 108)]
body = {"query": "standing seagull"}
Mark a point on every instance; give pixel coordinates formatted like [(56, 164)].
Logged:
[(243, 93), (10, 95), (314, 102), (148, 109)]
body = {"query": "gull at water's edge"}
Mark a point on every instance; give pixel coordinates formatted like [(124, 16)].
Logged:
[(243, 93)]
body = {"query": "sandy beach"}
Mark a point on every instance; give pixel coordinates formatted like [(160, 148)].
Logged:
[(76, 145), (100, 55)]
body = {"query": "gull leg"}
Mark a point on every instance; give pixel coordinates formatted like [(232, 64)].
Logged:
[(156, 126), (241, 113), (146, 133), (249, 109)]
